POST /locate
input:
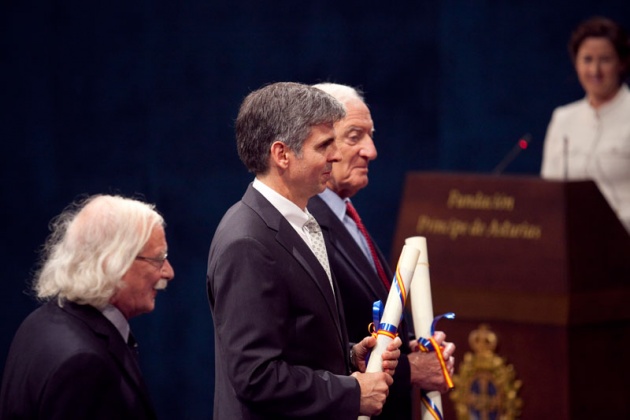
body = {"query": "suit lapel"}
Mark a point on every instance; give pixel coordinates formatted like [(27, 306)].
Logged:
[(384, 262), (115, 344), (288, 238), (345, 245)]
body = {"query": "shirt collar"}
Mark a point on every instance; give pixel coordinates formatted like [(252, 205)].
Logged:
[(286, 207), (118, 319), (336, 203)]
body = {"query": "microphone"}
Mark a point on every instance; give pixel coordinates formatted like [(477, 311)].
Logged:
[(520, 145)]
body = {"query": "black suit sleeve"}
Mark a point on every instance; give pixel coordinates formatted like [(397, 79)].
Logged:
[(266, 333)]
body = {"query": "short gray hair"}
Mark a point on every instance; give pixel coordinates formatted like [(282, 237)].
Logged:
[(342, 93), (92, 245), (281, 112)]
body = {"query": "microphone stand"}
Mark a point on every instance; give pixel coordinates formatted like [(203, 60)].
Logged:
[(520, 145)]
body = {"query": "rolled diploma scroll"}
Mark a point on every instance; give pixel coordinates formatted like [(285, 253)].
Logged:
[(393, 308), (422, 307)]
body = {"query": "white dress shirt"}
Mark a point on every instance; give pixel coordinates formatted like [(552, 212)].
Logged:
[(294, 215)]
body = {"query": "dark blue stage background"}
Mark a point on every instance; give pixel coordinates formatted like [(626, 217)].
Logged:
[(139, 98)]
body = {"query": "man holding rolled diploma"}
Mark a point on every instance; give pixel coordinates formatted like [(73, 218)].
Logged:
[(351, 260), (281, 347)]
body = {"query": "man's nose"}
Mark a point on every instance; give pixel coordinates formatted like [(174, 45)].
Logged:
[(168, 270)]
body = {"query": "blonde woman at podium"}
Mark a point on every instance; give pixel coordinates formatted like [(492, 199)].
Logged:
[(590, 138)]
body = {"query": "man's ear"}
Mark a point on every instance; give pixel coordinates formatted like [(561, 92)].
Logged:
[(279, 154)]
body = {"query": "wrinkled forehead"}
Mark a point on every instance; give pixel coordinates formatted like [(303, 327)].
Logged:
[(358, 117)]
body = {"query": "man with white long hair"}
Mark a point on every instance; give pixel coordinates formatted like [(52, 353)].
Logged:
[(74, 356)]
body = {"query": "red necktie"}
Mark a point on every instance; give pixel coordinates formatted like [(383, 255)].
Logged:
[(351, 211)]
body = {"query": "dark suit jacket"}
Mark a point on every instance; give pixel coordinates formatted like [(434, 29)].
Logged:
[(72, 363), (281, 346), (360, 287)]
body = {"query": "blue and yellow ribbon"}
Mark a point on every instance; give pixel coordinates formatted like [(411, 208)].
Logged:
[(430, 345), (425, 344), (378, 308)]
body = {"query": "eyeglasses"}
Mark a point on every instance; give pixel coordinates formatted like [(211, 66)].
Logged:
[(158, 261)]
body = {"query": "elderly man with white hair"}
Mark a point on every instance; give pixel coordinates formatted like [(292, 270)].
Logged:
[(361, 270), (74, 356)]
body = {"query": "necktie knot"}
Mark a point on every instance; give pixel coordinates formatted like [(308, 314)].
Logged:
[(312, 226), (352, 212)]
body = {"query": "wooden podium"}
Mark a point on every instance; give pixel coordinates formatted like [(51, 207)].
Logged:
[(547, 265)]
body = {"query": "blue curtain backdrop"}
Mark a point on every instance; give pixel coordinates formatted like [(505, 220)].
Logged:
[(139, 98)]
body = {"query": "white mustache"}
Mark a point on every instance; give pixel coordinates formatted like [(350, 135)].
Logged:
[(161, 285)]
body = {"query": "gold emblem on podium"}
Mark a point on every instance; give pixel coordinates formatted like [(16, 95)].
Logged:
[(485, 387)]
